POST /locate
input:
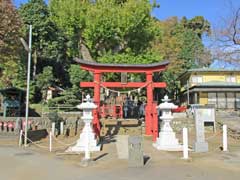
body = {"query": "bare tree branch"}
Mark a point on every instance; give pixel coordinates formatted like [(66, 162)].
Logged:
[(226, 37)]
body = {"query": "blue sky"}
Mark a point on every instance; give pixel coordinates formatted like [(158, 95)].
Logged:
[(212, 10)]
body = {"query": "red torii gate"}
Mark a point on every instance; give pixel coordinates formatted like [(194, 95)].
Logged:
[(97, 69)]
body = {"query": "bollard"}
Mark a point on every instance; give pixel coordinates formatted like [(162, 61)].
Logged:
[(185, 143), (225, 143), (20, 138), (50, 141), (61, 128), (53, 128)]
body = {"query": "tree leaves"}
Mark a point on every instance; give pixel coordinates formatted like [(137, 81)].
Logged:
[(10, 47)]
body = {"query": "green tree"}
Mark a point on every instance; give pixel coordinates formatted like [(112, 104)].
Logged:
[(67, 98), (48, 43), (182, 45), (199, 25), (96, 28), (10, 46), (76, 76), (70, 17), (108, 31), (115, 28), (44, 80), (72, 95)]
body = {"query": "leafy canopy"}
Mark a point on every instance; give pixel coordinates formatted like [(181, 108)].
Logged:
[(10, 46)]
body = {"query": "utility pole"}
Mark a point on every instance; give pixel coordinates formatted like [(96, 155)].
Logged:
[(28, 83)]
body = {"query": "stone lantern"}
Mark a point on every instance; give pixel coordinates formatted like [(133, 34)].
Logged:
[(167, 139), (87, 142)]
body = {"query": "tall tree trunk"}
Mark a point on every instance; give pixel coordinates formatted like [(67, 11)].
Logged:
[(34, 64), (85, 51)]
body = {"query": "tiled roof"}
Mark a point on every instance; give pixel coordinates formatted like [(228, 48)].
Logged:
[(218, 83), (211, 70), (206, 70), (81, 61)]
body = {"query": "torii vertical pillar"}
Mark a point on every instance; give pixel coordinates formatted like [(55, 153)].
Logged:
[(148, 110), (96, 123)]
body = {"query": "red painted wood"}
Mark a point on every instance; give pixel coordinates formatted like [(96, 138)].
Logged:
[(155, 122), (148, 116), (121, 85), (96, 122), (115, 111), (133, 69)]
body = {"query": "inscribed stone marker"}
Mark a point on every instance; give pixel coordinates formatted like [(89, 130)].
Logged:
[(200, 145)]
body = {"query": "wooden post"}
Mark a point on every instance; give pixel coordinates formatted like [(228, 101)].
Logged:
[(96, 123), (155, 122), (148, 109)]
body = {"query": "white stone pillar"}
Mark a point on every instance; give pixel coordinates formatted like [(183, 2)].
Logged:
[(61, 128), (185, 143), (20, 138), (225, 142), (53, 128), (50, 141)]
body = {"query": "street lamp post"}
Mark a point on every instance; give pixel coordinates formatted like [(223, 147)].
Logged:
[(28, 49)]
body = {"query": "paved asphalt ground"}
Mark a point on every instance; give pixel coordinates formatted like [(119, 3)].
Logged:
[(30, 164), (33, 163)]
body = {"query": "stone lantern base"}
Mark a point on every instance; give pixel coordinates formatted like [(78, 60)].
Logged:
[(86, 141), (167, 141), (81, 144)]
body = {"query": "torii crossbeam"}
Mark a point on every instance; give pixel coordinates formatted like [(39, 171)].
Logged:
[(97, 69)]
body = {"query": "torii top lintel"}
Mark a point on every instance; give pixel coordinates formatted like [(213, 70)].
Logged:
[(134, 68)]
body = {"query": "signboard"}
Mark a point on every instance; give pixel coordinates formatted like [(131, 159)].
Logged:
[(123, 77), (205, 114)]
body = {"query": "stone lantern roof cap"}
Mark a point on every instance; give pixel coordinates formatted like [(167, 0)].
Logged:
[(88, 104), (166, 104)]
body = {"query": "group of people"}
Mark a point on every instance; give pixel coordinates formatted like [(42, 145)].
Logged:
[(133, 109)]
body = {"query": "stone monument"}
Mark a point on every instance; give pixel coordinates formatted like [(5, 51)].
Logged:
[(200, 144), (167, 139), (87, 142), (135, 158)]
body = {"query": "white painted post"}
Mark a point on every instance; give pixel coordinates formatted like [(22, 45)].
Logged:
[(50, 141), (61, 128), (225, 143), (185, 143), (53, 128), (20, 138)]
